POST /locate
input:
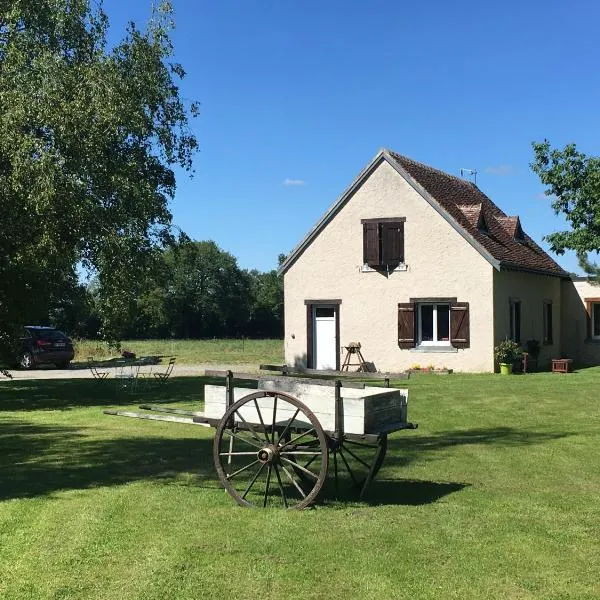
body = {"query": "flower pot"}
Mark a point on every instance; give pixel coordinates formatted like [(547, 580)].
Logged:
[(505, 368)]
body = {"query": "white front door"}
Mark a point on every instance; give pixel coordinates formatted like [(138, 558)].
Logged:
[(324, 337)]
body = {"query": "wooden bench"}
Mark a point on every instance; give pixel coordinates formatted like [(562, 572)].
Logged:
[(561, 365)]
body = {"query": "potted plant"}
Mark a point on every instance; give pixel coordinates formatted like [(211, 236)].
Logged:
[(506, 353)]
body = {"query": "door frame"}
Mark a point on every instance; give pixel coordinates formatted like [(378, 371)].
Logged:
[(310, 328)]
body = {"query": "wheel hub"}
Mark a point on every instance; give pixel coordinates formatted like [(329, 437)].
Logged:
[(266, 455)]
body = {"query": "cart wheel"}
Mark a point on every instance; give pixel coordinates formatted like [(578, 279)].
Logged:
[(359, 459), (262, 443)]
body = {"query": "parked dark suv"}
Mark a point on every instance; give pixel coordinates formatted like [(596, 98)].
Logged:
[(43, 345)]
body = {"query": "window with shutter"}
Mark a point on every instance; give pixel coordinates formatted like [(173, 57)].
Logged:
[(383, 242), (430, 323), (459, 325), (406, 325)]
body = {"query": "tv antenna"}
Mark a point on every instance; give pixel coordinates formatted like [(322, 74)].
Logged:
[(469, 173)]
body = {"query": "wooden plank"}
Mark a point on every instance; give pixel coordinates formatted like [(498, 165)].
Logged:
[(249, 376), (176, 411), (284, 380), (331, 373), (152, 417)]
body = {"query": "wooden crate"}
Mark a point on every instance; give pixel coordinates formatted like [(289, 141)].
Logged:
[(368, 410)]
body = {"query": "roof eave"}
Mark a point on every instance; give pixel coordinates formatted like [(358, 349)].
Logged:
[(507, 266)]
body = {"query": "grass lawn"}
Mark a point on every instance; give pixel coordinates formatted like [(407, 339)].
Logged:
[(496, 495), (191, 352)]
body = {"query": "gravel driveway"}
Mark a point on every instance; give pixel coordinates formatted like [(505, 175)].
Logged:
[(82, 371)]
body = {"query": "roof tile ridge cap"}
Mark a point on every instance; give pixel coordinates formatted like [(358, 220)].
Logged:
[(430, 168)]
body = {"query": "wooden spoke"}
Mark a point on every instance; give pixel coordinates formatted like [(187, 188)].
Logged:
[(253, 480), (274, 418), (360, 460), (294, 440), (294, 482), (284, 432), (267, 486), (297, 466), (237, 454), (304, 466), (262, 423), (283, 497), (251, 429), (241, 439), (232, 475)]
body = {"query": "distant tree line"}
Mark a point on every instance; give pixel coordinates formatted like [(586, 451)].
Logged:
[(188, 290)]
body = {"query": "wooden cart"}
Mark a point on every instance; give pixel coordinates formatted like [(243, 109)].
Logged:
[(275, 445)]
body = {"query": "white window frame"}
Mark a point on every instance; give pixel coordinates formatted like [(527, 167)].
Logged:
[(593, 322), (433, 342)]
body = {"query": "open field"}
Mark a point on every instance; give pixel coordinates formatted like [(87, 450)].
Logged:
[(191, 352), (494, 496)]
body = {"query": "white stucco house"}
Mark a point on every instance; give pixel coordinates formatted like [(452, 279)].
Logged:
[(421, 267)]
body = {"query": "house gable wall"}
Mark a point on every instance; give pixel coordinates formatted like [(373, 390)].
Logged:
[(440, 264)]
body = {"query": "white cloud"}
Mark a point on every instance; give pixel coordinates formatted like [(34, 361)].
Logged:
[(500, 170), (288, 181)]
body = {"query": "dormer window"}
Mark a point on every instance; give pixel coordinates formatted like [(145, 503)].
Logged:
[(482, 225), (519, 235), (383, 242)]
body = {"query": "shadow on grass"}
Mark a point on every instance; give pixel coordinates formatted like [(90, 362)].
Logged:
[(37, 460), (409, 447), (64, 394), (399, 492)]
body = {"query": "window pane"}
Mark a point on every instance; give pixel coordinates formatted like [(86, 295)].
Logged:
[(548, 323), (324, 312), (426, 323), (443, 322), (596, 319)]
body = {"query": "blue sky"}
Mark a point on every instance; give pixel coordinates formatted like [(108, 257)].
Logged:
[(298, 96)]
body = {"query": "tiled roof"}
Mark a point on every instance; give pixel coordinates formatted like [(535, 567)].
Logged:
[(465, 202)]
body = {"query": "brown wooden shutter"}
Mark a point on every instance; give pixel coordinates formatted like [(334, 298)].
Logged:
[(371, 244), (392, 243), (309, 336), (459, 325), (406, 325)]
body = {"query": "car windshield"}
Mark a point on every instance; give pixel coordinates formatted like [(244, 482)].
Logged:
[(51, 335)]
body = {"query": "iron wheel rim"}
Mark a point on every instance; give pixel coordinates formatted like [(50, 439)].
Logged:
[(258, 462)]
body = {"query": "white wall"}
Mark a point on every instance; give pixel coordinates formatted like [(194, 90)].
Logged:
[(441, 263)]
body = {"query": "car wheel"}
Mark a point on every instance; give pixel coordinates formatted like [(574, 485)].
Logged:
[(63, 365), (26, 361)]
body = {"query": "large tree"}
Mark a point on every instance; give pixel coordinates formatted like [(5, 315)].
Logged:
[(207, 294), (89, 136), (573, 180)]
